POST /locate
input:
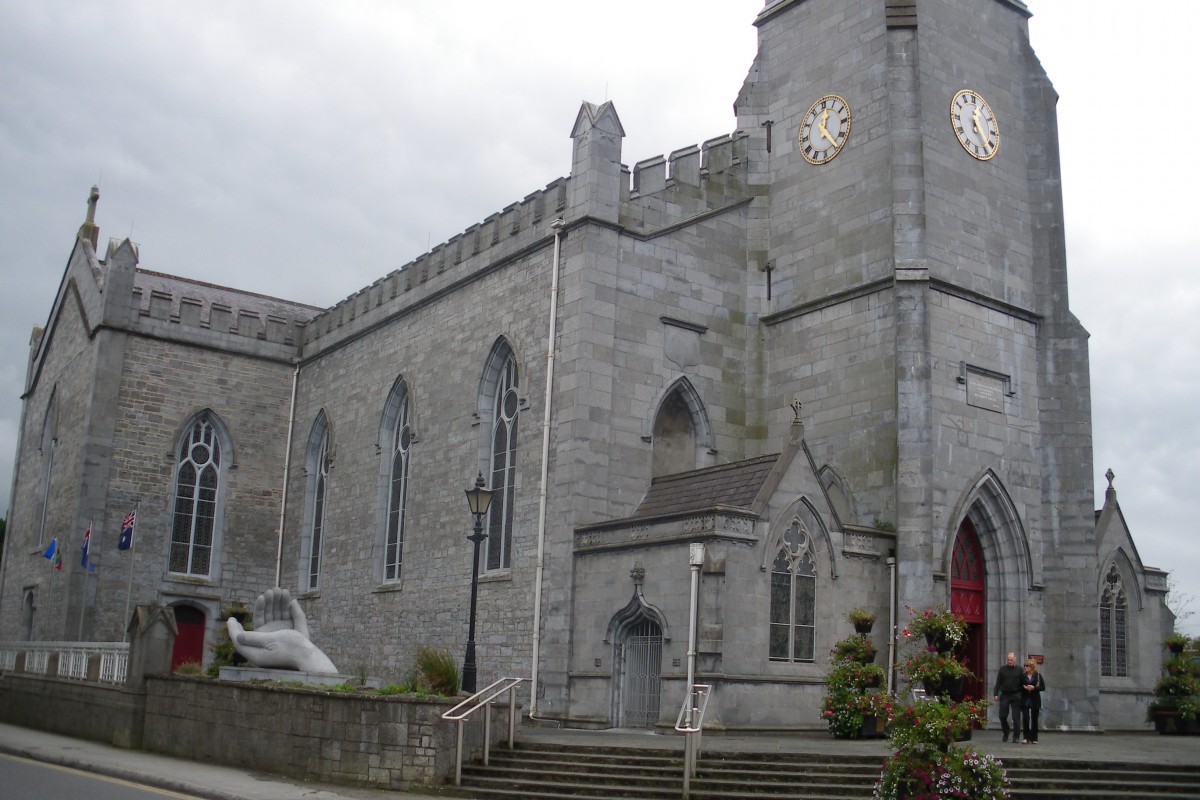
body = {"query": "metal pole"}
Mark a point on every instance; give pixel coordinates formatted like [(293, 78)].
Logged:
[(468, 678)]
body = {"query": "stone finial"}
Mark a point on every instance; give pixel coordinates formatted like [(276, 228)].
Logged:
[(88, 230), (638, 573), (796, 408), (1110, 494), (1110, 475)]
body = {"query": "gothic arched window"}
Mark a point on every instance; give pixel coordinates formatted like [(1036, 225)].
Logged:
[(501, 384), (396, 466), (197, 495), (317, 466), (48, 445), (674, 437), (794, 597), (1114, 619)]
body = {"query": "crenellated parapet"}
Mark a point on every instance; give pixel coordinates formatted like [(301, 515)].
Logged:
[(204, 314), (481, 246), (659, 192), (663, 191)]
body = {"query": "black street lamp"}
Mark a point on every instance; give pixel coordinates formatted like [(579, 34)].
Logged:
[(479, 499)]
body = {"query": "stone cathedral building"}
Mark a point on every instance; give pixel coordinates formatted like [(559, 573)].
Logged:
[(833, 347)]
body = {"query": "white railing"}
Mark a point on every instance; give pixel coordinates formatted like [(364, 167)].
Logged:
[(690, 723), (483, 699), (73, 659)]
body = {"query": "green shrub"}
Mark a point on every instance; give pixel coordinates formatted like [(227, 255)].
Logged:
[(437, 671)]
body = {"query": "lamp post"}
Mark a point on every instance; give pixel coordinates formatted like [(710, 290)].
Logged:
[(479, 499)]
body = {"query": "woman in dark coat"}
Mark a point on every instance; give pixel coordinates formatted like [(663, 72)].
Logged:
[(1032, 687)]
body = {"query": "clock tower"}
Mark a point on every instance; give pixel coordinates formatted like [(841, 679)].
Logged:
[(909, 224)]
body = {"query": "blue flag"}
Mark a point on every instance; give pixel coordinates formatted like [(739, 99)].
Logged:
[(51, 550)]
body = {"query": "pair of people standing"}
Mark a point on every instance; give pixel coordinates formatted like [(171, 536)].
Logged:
[(1019, 692)]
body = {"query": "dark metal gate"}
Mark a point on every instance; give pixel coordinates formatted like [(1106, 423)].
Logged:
[(641, 668)]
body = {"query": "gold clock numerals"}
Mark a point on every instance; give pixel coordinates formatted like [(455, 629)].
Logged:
[(825, 129), (975, 125)]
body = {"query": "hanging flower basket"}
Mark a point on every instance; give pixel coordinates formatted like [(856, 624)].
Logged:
[(942, 630)]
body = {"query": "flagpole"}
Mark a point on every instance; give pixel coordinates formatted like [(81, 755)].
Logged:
[(129, 589), (87, 543)]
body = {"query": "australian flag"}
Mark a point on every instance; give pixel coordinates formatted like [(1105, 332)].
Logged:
[(126, 540), (87, 544)]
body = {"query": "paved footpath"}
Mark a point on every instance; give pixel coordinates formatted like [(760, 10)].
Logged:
[(234, 783)]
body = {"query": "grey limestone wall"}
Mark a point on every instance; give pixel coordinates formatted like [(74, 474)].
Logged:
[(63, 364), (163, 385), (393, 742)]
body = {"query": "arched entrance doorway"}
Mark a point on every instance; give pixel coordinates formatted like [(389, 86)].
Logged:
[(189, 642), (968, 599), (637, 684)]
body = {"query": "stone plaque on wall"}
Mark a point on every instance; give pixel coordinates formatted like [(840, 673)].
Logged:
[(985, 391)]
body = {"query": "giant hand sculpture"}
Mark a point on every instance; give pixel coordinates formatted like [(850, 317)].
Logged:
[(280, 638)]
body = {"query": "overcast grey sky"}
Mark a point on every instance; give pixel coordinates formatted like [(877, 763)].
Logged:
[(303, 149)]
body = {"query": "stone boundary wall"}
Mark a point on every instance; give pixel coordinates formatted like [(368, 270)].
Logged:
[(394, 742), (96, 711)]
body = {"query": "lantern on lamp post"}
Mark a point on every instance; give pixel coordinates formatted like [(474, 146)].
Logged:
[(479, 499)]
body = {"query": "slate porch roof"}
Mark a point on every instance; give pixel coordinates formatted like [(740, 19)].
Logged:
[(733, 485)]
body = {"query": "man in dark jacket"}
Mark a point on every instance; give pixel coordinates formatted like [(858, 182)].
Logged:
[(1007, 692)]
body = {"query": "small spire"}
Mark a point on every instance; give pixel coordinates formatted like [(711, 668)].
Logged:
[(1110, 494)]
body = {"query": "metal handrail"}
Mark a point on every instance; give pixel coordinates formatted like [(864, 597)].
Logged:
[(690, 723), (483, 699), (73, 658)]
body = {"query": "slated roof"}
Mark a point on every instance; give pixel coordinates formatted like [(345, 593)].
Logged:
[(733, 485)]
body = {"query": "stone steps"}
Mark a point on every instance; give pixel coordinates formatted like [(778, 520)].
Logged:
[(545, 770)]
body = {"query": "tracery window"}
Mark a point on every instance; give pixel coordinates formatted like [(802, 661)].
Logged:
[(197, 488), (396, 456), (1114, 618), (317, 464), (505, 406), (793, 597)]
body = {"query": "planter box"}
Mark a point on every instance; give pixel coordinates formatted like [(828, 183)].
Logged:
[(1171, 723)]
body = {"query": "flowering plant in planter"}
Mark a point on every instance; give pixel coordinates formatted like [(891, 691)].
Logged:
[(930, 666), (855, 676), (848, 704), (933, 775), (861, 619), (855, 648), (847, 709), (934, 724), (942, 629), (1176, 642)]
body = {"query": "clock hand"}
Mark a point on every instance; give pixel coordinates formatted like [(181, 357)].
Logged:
[(823, 130), (980, 129)]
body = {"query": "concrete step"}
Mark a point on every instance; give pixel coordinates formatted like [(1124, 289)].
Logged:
[(545, 770)]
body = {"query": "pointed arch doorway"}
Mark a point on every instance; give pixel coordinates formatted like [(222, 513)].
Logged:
[(637, 633), (968, 599)]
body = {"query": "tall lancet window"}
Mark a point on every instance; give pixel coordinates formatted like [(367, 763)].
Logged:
[(197, 491), (317, 465), (1114, 617), (396, 421), (504, 467), (794, 597)]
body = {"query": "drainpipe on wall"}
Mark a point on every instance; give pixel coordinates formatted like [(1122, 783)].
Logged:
[(287, 462), (891, 660), (543, 492)]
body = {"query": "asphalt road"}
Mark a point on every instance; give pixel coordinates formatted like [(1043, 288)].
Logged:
[(23, 779)]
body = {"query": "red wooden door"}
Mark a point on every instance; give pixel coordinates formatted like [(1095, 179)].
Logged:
[(968, 599), (189, 642)]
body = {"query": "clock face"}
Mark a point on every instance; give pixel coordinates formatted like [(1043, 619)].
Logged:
[(975, 125), (825, 129)]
